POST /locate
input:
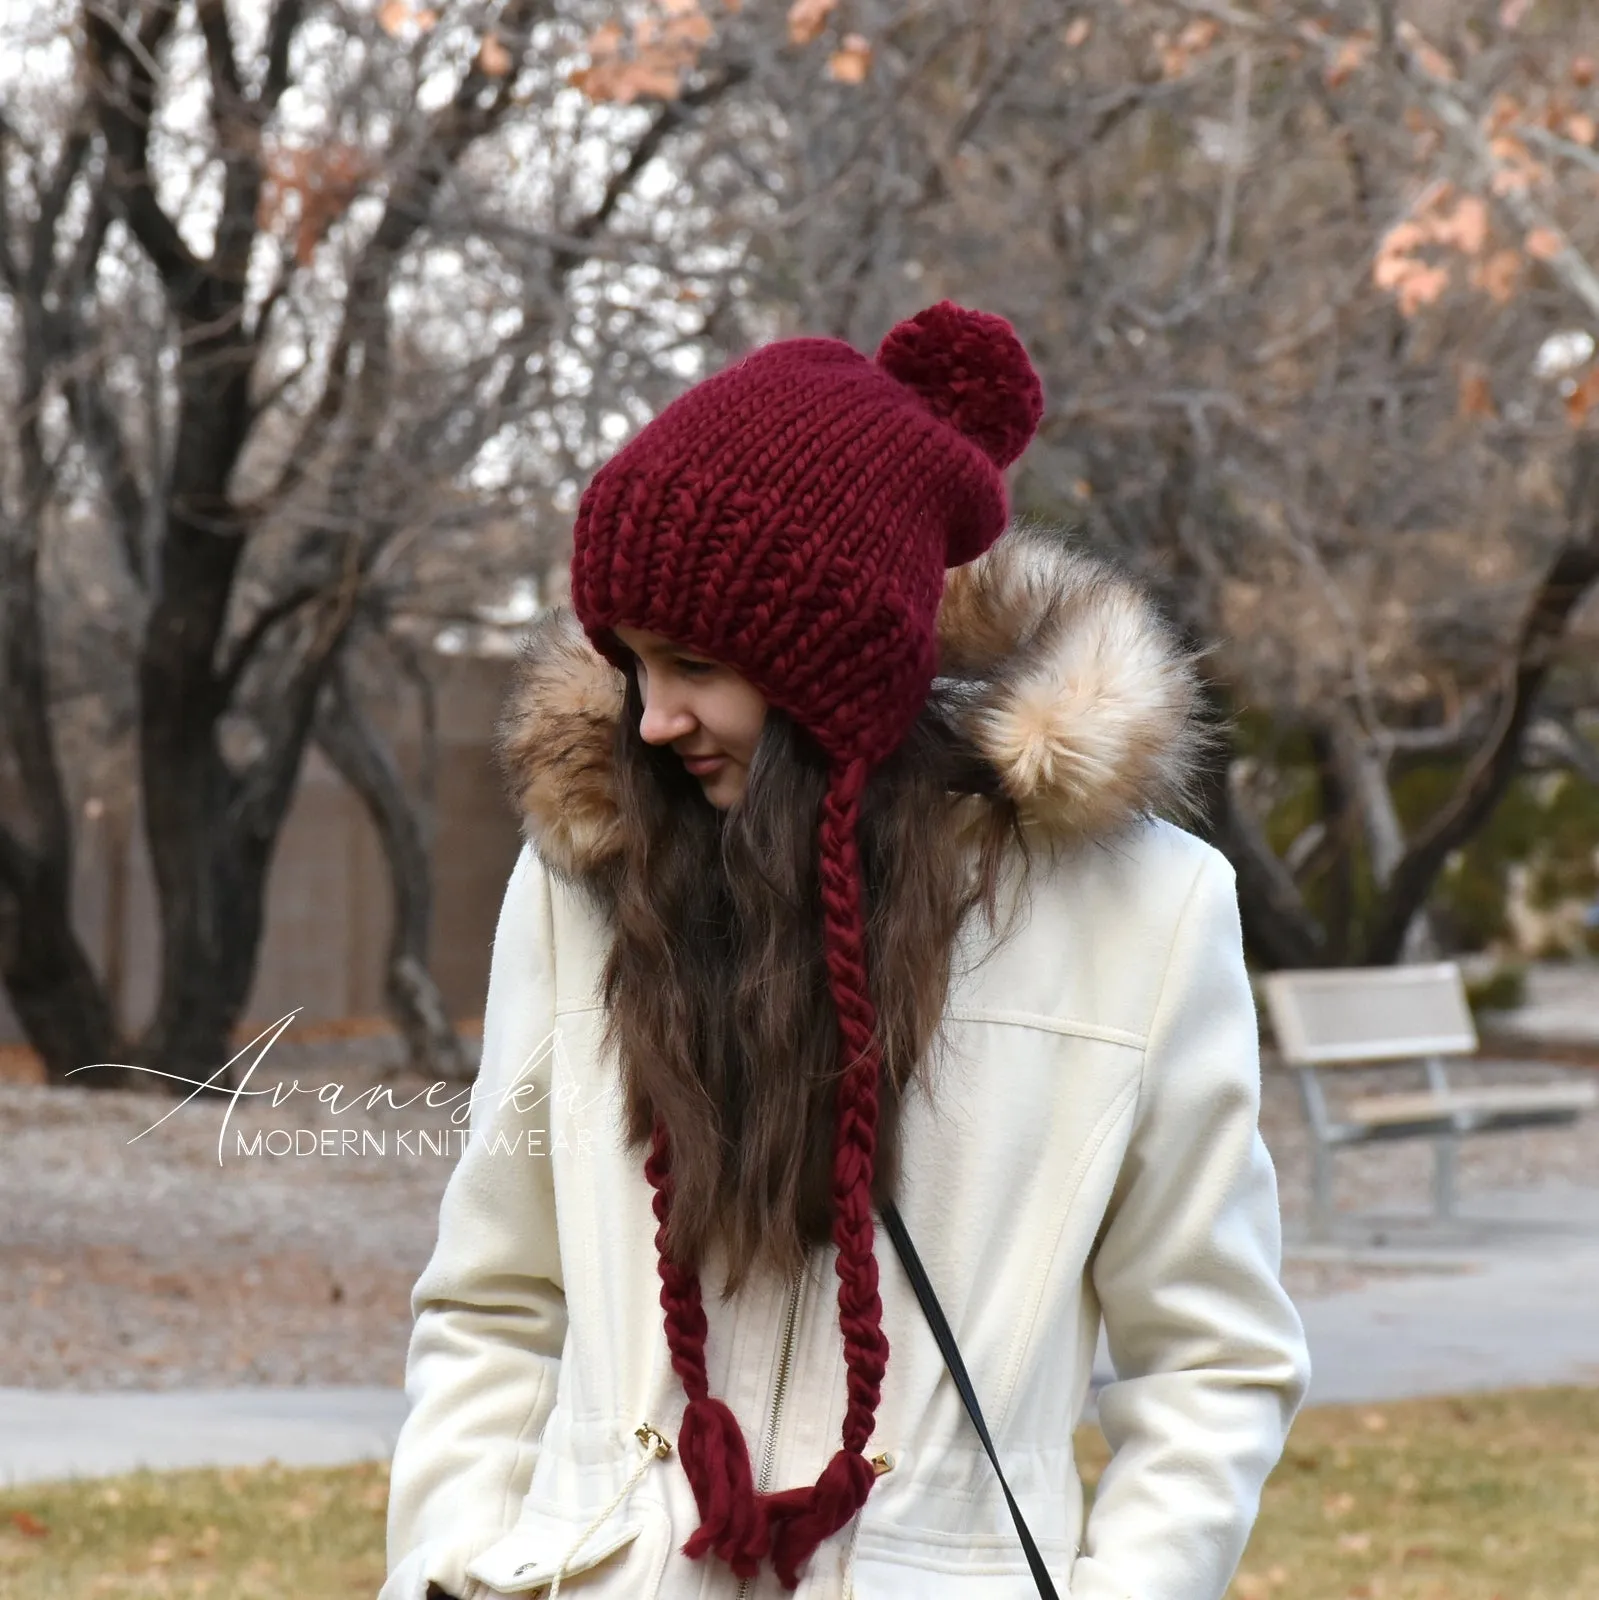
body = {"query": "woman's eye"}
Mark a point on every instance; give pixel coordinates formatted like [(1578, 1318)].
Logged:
[(695, 669)]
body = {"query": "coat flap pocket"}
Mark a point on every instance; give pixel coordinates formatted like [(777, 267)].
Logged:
[(540, 1545)]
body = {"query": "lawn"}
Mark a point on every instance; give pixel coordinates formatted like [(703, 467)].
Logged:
[(1487, 1498)]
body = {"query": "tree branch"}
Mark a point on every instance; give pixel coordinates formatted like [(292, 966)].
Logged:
[(122, 86), (1557, 742), (267, 618), (671, 114), (286, 19), (1568, 264), (227, 92), (355, 747), (1569, 577)]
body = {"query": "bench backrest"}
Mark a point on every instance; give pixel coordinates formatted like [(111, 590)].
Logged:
[(1349, 1016)]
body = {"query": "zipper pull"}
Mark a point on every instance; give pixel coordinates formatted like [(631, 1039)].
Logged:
[(653, 1440)]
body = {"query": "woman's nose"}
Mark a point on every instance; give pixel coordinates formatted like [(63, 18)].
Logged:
[(664, 720)]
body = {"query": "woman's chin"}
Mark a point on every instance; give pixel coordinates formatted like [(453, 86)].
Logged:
[(723, 788)]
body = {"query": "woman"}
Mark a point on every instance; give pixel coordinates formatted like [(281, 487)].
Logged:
[(846, 883)]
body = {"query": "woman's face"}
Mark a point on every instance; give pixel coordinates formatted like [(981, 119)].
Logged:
[(707, 713)]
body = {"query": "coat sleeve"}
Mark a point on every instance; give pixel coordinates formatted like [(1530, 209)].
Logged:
[(1209, 1351), (489, 1311)]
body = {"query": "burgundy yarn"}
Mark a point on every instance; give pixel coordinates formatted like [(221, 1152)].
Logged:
[(792, 517), (965, 368)]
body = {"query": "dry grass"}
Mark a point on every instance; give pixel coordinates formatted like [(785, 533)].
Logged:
[(1491, 1497), (270, 1533), (1486, 1498)]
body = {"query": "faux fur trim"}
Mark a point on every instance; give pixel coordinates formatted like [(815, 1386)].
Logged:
[(555, 741), (1066, 678), (1088, 702)]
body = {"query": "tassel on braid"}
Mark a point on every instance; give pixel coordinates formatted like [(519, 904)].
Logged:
[(740, 1525)]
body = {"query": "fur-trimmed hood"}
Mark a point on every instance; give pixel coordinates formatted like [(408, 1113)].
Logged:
[(1071, 686)]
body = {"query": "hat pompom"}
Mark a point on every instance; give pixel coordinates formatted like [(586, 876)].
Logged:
[(969, 368)]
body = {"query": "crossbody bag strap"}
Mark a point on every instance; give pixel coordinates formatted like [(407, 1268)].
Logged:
[(939, 1323)]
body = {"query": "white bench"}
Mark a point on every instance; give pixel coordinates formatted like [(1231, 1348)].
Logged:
[(1355, 1017)]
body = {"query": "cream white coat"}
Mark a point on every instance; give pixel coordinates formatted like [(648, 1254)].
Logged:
[(1089, 1150)]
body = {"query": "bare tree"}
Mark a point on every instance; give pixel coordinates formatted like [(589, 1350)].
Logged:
[(1299, 280), (350, 329)]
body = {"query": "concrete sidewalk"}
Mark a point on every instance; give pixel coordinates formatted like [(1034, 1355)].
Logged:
[(1525, 1321), (1509, 1303), (53, 1433)]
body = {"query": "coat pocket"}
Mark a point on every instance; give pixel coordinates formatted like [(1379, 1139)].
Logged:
[(625, 1554), (527, 1558)]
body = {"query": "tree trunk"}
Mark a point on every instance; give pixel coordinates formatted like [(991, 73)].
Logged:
[(54, 989), (356, 748), (51, 983), (1366, 766), (211, 875)]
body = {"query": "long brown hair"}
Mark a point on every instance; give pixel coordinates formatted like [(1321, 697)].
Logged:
[(716, 987)]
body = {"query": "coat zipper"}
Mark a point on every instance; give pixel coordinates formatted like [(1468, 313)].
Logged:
[(785, 1360)]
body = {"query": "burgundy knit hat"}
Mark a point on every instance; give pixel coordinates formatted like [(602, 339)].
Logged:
[(792, 518)]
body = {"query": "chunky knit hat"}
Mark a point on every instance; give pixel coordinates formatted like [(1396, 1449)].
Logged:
[(792, 517)]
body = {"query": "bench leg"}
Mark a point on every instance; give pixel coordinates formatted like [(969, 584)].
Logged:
[(1445, 1153), (1322, 1207)]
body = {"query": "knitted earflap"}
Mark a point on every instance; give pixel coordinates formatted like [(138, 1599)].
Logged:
[(741, 1526)]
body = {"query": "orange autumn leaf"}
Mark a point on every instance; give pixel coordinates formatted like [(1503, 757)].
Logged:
[(396, 16), (310, 188), (1499, 275), (26, 1523), (1199, 35), (626, 81), (1466, 227), (1476, 394), (650, 65), (1394, 259), (683, 23), (1422, 287), (807, 18), (1582, 399), (689, 29), (493, 59), (1543, 244), (852, 61), (1389, 271), (1505, 112), (1349, 58), (1431, 60)]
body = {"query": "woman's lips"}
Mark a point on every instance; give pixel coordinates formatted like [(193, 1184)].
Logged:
[(703, 766)]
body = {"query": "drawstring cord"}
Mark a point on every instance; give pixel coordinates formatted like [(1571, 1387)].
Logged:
[(849, 1559), (656, 1448)]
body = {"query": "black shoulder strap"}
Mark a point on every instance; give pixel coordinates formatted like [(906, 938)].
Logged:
[(937, 1321)]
